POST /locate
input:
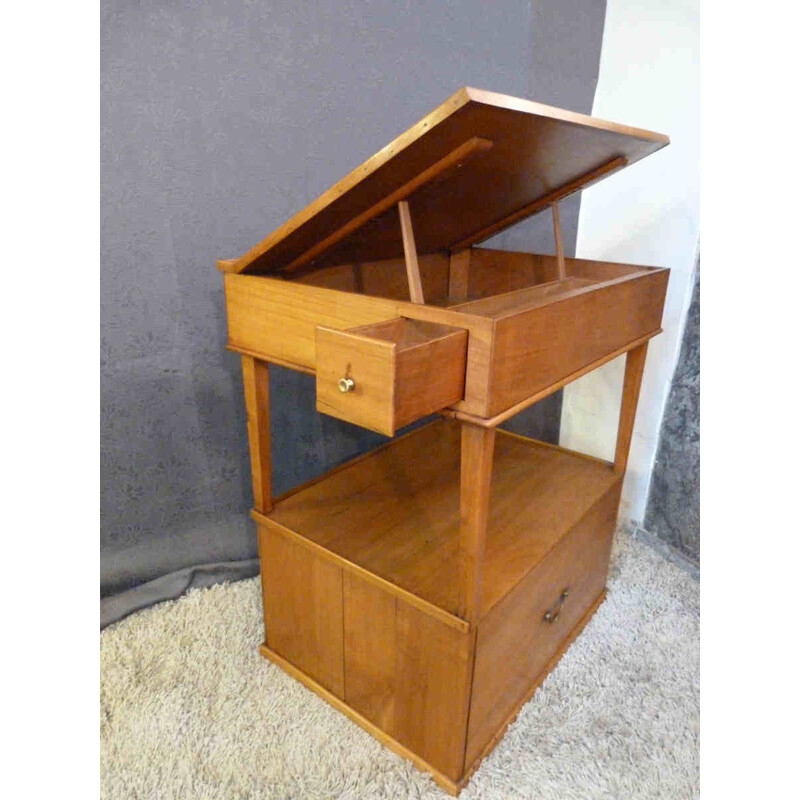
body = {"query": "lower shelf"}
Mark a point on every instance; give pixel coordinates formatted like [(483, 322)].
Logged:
[(395, 511)]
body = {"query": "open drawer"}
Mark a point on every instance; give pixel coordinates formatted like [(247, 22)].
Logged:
[(385, 375)]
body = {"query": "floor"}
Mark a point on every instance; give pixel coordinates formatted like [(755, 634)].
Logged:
[(190, 710)]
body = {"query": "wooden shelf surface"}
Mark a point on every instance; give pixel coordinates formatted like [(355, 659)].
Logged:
[(395, 511)]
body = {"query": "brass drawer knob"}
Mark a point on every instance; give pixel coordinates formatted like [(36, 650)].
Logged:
[(346, 385), (552, 614)]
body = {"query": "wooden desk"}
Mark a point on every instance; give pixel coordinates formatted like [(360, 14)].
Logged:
[(427, 587)]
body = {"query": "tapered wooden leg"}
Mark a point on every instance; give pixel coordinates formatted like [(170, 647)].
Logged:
[(477, 451), (255, 375), (634, 369)]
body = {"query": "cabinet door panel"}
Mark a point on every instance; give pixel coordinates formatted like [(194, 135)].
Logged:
[(408, 673), (303, 608)]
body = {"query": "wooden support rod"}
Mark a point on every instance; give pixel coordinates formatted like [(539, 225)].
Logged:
[(477, 452), (632, 383), (562, 269), (436, 171), (410, 249), (255, 376), (539, 205)]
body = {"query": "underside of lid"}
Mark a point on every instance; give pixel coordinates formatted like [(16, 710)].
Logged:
[(475, 165)]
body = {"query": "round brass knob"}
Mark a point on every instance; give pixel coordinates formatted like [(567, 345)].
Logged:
[(346, 385)]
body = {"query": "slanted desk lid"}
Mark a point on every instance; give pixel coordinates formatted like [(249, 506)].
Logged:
[(475, 165)]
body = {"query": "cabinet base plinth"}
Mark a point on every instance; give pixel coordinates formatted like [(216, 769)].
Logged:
[(387, 741), (451, 786)]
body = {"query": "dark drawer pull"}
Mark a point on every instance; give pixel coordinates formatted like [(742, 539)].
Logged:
[(552, 614)]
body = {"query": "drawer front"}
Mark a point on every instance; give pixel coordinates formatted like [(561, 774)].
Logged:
[(370, 365), (520, 635), (387, 375)]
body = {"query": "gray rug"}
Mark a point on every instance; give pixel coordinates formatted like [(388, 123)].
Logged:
[(190, 710)]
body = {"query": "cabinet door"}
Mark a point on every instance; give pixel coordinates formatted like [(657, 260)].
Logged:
[(408, 673), (302, 595)]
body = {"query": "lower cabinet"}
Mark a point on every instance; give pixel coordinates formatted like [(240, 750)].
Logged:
[(444, 694)]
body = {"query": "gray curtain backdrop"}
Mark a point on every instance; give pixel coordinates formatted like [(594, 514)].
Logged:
[(219, 121)]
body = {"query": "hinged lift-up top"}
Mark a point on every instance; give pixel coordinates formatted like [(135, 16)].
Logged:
[(478, 163)]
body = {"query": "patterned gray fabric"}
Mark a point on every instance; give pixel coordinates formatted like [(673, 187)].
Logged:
[(673, 505), (220, 120)]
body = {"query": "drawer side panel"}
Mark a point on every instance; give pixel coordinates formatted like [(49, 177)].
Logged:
[(430, 378)]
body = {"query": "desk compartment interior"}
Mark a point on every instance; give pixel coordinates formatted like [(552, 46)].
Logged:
[(482, 273)]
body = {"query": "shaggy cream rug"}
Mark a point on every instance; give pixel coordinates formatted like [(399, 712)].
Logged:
[(191, 710)]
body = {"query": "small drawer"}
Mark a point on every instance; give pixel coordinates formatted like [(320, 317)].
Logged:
[(388, 374)]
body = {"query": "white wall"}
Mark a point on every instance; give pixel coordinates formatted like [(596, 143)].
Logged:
[(647, 214)]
